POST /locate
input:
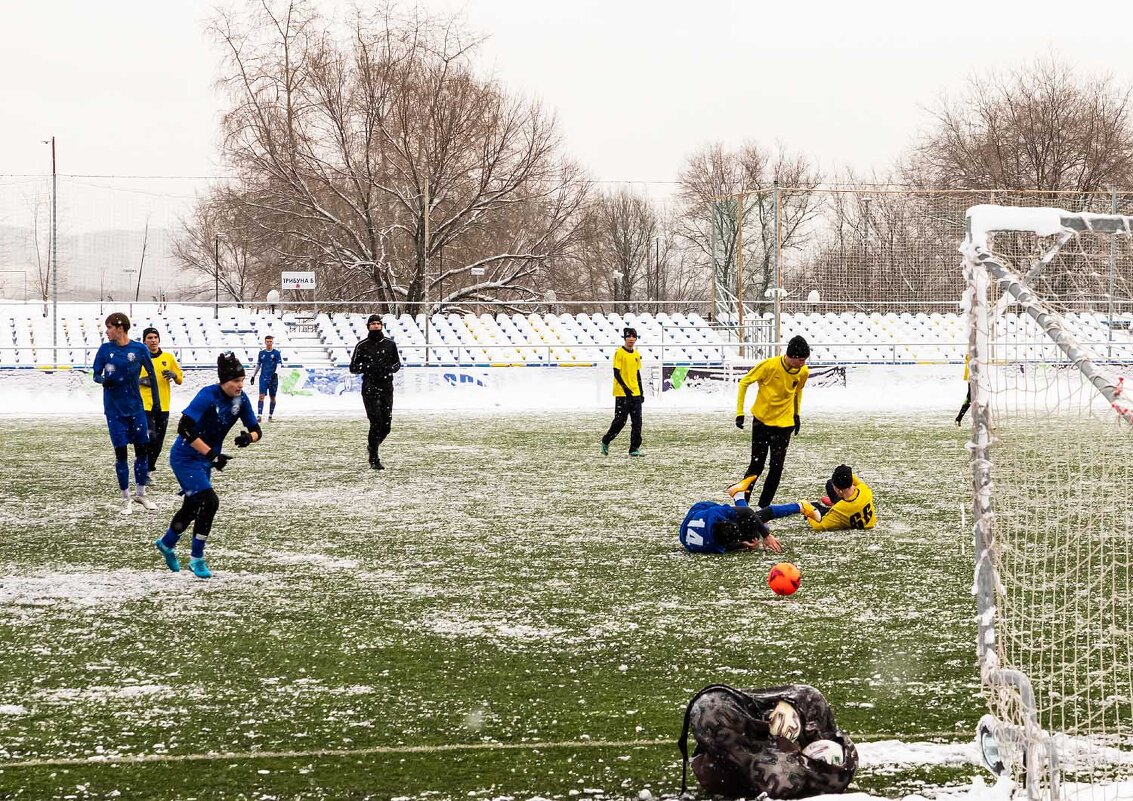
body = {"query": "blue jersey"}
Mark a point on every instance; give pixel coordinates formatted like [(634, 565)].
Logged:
[(267, 363), (696, 529), (215, 413), (117, 368)]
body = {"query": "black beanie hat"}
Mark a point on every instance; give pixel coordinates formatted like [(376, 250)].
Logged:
[(748, 523), (374, 318), (843, 477), (629, 332), (147, 331), (228, 367), (725, 533), (798, 348)]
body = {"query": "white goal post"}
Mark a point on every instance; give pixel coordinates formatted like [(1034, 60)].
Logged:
[(1052, 491)]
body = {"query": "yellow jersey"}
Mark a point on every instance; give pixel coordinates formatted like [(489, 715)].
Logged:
[(858, 512), (780, 392), (162, 362), (628, 364)]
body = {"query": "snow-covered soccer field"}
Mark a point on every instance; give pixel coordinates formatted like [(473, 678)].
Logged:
[(501, 614)]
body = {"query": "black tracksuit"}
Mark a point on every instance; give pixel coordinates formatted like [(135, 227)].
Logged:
[(376, 359)]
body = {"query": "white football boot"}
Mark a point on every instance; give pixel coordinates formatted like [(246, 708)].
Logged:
[(145, 502)]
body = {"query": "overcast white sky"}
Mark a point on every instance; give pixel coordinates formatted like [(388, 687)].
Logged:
[(126, 85)]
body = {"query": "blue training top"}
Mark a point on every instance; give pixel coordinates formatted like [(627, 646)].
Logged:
[(215, 413), (696, 529), (118, 368), (267, 363)]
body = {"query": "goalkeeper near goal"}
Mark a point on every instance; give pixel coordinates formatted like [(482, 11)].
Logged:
[(848, 503)]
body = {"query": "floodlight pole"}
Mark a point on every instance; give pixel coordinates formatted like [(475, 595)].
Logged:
[(425, 271), (54, 269), (216, 276), (740, 269), (778, 251)]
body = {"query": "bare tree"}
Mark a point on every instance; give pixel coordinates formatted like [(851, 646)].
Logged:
[(883, 247), (1040, 127), (625, 227), (384, 163), (229, 248), (770, 197), (38, 246)]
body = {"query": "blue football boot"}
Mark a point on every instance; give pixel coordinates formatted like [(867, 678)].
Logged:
[(171, 560), (199, 568)]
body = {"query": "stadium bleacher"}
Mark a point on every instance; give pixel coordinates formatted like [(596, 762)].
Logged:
[(196, 334)]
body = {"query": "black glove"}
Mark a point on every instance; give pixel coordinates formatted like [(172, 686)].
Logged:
[(218, 460), (143, 381), (739, 421), (798, 424), (641, 398), (110, 380), (243, 439), (169, 375)]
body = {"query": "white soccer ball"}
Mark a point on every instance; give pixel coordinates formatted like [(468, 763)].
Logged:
[(785, 721), (826, 751)]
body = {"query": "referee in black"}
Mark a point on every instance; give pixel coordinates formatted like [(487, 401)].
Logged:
[(376, 360)]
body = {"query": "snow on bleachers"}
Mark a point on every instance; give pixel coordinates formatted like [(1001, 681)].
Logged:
[(195, 335)]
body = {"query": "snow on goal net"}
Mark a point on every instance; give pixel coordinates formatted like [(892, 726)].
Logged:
[(1052, 489)]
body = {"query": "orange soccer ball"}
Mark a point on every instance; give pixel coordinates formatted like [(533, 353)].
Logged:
[(784, 578)]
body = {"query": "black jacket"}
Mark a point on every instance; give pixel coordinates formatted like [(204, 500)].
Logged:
[(377, 361)]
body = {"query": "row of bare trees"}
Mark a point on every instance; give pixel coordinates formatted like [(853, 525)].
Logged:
[(373, 153)]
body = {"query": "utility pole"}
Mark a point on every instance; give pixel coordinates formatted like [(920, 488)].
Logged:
[(216, 276), (54, 259)]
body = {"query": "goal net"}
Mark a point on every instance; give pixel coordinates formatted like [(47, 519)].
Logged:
[(1052, 491)]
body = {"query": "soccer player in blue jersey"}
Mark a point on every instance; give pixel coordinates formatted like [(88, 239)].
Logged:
[(200, 436), (267, 365), (117, 366), (711, 527)]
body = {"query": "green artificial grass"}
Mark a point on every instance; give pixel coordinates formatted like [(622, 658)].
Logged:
[(502, 613)]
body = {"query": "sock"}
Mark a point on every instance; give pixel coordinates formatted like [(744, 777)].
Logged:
[(123, 471), (141, 470), (197, 550), (271, 409), (784, 509), (740, 501), (260, 408), (170, 538)]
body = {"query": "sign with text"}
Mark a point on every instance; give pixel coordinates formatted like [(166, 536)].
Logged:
[(298, 280)]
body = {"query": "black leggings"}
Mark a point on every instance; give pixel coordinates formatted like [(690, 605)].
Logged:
[(626, 407), (964, 406), (768, 439), (140, 452), (199, 509), (158, 421)]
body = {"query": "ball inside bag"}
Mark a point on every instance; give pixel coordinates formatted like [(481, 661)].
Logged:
[(826, 751), (784, 578)]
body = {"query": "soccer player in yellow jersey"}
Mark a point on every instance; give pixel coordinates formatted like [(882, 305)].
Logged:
[(775, 414), (168, 370), (851, 503), (628, 394), (968, 397)]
